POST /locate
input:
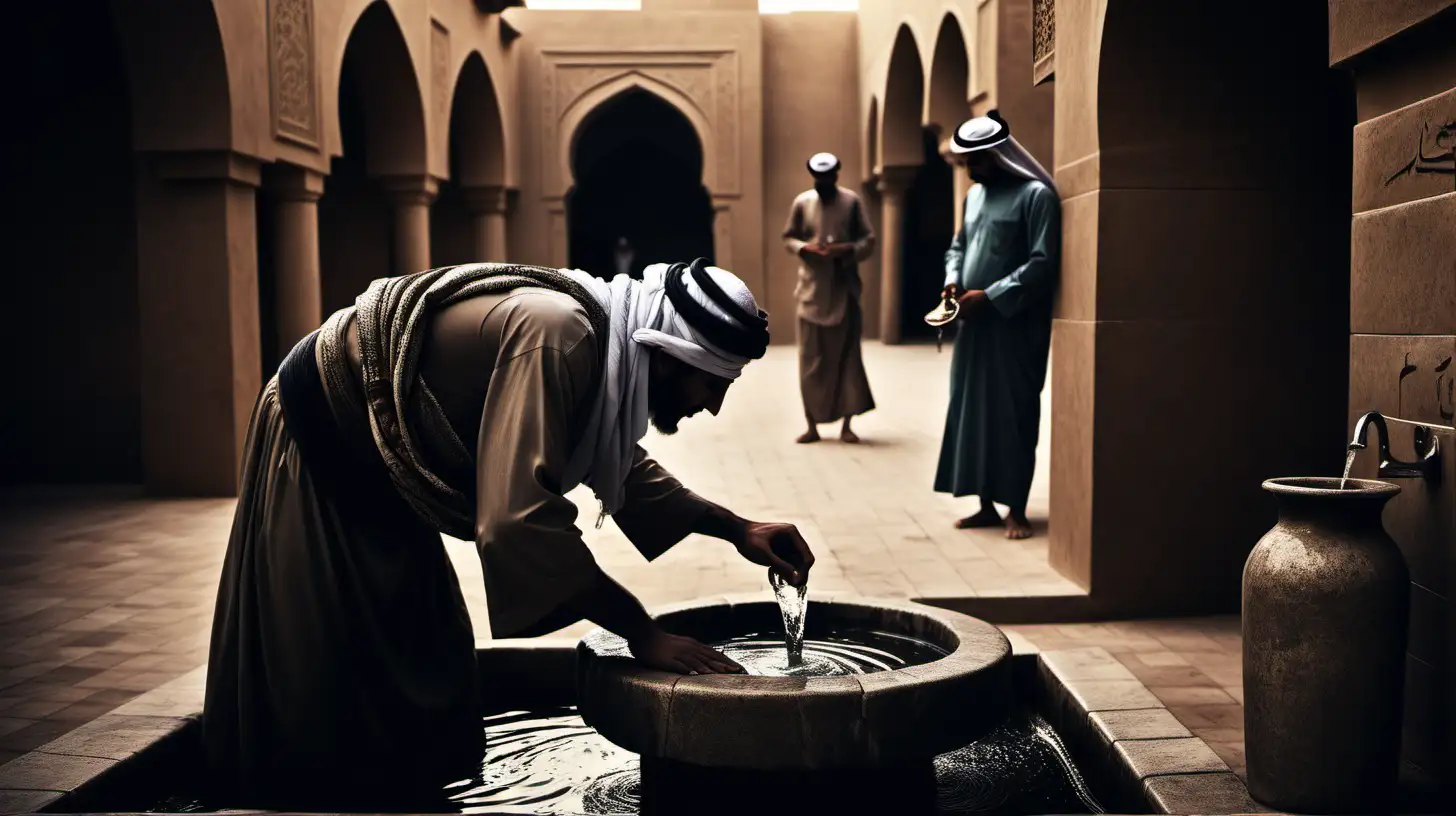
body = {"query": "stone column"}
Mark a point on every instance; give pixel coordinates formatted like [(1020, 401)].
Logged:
[(197, 259), (411, 197), (298, 296), (489, 207), (894, 182)]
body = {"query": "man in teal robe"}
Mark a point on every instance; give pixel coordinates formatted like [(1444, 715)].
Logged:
[(1001, 268)]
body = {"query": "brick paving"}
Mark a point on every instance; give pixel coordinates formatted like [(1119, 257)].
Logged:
[(104, 595)]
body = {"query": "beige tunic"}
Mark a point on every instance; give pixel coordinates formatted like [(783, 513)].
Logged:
[(342, 661), (827, 285), (832, 378), (515, 372)]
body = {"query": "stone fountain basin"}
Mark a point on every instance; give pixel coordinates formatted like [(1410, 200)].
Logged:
[(890, 718)]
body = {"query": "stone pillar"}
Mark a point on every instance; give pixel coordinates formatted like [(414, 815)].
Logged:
[(894, 182), (489, 207), (411, 197), (197, 259), (298, 296)]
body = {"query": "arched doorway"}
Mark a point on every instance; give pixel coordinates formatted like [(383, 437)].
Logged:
[(901, 153), (76, 415), (929, 228), (638, 166), (462, 225), (950, 72), (381, 126)]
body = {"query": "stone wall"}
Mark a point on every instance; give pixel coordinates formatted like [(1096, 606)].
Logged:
[(1403, 314), (810, 95), (1199, 339)]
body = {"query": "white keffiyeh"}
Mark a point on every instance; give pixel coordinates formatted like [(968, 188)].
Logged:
[(642, 318)]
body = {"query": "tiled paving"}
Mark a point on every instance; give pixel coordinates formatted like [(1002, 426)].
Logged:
[(104, 595), (1193, 665)]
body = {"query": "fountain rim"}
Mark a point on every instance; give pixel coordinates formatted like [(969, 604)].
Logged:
[(969, 634), (1328, 487), (794, 722)]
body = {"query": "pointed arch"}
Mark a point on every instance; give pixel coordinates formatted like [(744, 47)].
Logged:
[(177, 69), (900, 133), (950, 77), (377, 58), (477, 136), (583, 106)]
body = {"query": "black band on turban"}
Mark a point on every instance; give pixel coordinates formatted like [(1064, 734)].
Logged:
[(749, 339)]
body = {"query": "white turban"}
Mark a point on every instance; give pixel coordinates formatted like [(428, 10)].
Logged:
[(643, 318), (992, 133)]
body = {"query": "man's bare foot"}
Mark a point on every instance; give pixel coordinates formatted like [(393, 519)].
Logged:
[(988, 517), (1018, 527), (811, 435), (848, 437)]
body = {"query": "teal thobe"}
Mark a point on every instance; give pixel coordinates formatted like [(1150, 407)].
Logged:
[(1008, 245)]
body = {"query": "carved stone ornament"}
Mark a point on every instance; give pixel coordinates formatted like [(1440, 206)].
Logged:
[(1043, 40), (293, 86)]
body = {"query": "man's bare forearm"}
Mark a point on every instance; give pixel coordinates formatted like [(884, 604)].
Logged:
[(609, 605), (719, 522)]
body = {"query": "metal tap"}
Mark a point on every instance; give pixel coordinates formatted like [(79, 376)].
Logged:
[(1427, 448)]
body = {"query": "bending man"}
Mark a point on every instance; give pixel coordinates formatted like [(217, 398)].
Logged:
[(467, 401), (1002, 267)]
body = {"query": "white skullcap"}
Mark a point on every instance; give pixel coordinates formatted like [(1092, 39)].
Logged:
[(823, 163)]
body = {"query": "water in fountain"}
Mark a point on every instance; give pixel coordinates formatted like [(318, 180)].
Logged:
[(551, 762), (840, 652), (793, 605), (1349, 463)]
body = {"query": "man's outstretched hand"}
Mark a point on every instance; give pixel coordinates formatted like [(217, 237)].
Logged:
[(779, 547), (681, 654)]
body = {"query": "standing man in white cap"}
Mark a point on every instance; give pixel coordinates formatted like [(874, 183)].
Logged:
[(1002, 268), (829, 233), (468, 401)]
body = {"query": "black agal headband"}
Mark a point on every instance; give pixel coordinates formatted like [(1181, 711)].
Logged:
[(748, 339)]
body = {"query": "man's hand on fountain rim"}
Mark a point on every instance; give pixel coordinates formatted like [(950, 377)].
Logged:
[(665, 651)]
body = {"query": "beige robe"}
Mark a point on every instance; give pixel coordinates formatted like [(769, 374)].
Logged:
[(832, 378), (342, 658)]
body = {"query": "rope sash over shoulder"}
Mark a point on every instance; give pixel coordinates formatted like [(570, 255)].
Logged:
[(391, 318)]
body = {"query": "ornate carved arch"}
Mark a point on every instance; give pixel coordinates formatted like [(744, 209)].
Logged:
[(702, 85), (603, 92)]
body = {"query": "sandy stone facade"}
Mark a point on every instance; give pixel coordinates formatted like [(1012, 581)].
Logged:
[(1259, 226), (1223, 319)]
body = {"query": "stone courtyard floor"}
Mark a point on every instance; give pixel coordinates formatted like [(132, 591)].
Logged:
[(104, 595)]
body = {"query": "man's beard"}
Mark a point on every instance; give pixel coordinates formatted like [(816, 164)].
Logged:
[(665, 413)]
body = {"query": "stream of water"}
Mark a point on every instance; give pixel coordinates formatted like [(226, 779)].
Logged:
[(793, 606), (1349, 463)]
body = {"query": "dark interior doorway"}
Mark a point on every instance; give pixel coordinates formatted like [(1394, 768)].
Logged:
[(638, 166), (928, 230), (356, 227), (75, 413)]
